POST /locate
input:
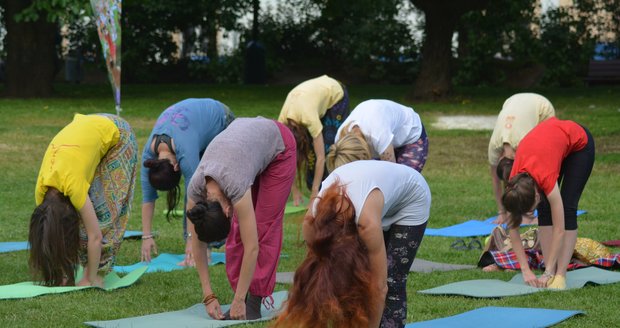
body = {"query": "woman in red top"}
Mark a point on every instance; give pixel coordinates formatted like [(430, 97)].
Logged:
[(551, 168)]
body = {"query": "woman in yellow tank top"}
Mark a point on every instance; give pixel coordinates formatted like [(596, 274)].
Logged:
[(83, 197)]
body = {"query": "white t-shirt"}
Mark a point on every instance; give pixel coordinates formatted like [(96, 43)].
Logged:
[(407, 197), (384, 122)]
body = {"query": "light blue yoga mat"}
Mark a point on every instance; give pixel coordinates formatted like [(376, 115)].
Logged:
[(29, 289), (192, 317), (167, 262), (504, 317), (13, 246), (471, 228), (132, 234), (484, 288)]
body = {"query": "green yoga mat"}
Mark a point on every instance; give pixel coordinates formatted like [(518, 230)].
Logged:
[(290, 208), (485, 288), (192, 317), (29, 289)]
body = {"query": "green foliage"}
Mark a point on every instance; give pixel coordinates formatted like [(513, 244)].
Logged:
[(569, 35), (501, 30), (148, 26), (565, 48), (562, 40), (51, 10), (223, 69), (366, 36)]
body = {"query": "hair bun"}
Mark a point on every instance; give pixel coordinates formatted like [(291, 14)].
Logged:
[(150, 163), (198, 212)]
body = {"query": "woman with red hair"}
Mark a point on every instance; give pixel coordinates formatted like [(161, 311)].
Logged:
[(362, 232)]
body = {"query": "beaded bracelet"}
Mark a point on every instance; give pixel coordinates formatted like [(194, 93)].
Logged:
[(548, 275), (209, 299), (147, 237)]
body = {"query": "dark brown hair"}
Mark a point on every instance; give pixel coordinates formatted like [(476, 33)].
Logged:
[(504, 167), (303, 141), (210, 221), (519, 197), (162, 176), (333, 287), (54, 240)]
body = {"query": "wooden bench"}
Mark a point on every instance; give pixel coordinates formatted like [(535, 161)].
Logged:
[(603, 71)]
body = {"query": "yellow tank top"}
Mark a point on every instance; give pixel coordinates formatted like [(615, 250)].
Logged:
[(72, 157)]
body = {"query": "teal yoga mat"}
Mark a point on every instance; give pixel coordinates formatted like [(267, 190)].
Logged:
[(290, 208), (13, 246), (192, 317), (167, 262), (29, 289), (485, 288), (504, 317)]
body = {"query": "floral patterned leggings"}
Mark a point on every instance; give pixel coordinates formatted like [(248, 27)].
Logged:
[(414, 155), (401, 245)]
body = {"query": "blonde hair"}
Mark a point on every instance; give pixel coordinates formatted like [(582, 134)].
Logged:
[(351, 147)]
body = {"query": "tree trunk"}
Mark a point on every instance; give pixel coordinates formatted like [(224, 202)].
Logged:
[(434, 79), (441, 17), (31, 54), (211, 31)]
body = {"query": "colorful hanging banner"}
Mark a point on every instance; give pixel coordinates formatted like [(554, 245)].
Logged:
[(107, 19)]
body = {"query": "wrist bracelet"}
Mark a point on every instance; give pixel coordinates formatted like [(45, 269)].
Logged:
[(209, 299), (147, 237), (548, 274)]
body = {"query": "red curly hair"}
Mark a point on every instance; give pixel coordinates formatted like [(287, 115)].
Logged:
[(333, 287)]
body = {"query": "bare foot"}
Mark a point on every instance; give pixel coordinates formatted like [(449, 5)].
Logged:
[(491, 268)]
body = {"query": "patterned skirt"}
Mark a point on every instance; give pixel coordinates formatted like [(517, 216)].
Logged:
[(332, 120), (111, 192)]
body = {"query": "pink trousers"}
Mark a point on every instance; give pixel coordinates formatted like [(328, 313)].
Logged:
[(269, 195)]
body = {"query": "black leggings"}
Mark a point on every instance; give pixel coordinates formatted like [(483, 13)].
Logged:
[(401, 245), (574, 174)]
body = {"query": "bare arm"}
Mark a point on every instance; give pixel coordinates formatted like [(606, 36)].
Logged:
[(371, 233), (388, 154), (557, 240), (249, 238), (148, 245), (497, 192), (200, 251), (528, 276), (91, 224), (306, 229), (319, 165)]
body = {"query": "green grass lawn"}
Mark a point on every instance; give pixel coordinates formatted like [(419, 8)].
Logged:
[(456, 172)]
